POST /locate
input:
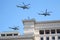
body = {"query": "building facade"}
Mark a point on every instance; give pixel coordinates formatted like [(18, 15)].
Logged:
[(33, 30)]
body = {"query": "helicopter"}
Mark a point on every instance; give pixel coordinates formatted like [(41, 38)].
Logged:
[(24, 6), (46, 13), (14, 28)]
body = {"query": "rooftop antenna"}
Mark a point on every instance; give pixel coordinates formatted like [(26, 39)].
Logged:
[(28, 18)]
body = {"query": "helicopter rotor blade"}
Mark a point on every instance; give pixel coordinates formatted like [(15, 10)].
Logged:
[(17, 26), (17, 6), (39, 14), (9, 27), (23, 3), (27, 4), (49, 12)]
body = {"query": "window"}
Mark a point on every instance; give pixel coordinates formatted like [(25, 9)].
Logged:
[(58, 30), (41, 38), (2, 34), (15, 34), (47, 31), (52, 31), (47, 38), (9, 34), (58, 37), (53, 38), (41, 31)]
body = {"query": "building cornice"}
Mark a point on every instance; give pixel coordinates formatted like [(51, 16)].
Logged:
[(52, 21)]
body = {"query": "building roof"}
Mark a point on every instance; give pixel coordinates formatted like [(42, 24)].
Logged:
[(51, 21), (33, 20)]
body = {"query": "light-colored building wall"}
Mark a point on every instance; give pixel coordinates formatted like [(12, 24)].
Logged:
[(44, 25), (15, 37), (28, 26), (32, 31)]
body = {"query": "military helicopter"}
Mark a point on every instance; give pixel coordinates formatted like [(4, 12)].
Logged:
[(24, 6), (46, 13), (14, 28)]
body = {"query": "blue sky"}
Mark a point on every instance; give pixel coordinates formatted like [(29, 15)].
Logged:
[(11, 16)]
